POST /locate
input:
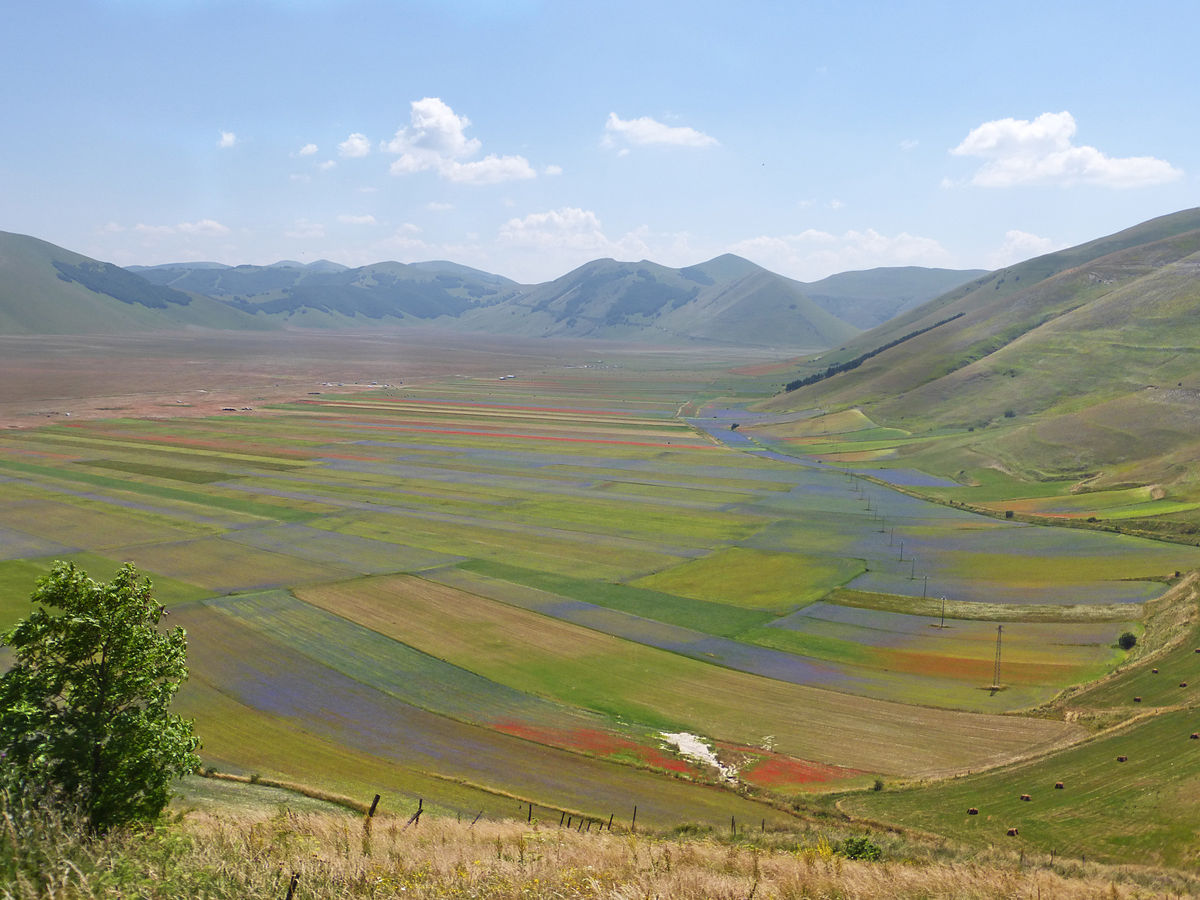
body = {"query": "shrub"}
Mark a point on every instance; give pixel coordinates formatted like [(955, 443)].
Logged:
[(860, 848), (1127, 640)]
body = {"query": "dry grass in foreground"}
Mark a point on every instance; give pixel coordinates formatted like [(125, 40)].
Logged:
[(203, 855)]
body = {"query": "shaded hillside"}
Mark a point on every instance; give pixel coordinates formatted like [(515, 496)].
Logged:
[(325, 294), (871, 297), (45, 289), (725, 300)]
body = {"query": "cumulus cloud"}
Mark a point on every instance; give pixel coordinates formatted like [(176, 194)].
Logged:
[(571, 227), (435, 140), (357, 220), (1019, 246), (202, 228), (307, 150), (355, 146), (1023, 152), (543, 245), (327, 165), (813, 254), (227, 139), (645, 131), (552, 170)]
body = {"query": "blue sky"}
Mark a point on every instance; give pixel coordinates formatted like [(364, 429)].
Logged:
[(526, 137)]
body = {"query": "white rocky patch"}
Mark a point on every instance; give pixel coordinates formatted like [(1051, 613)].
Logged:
[(695, 748)]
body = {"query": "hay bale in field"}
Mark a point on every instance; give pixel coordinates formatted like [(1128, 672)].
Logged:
[(1137, 699), (1013, 832), (1183, 684), (1058, 785), (1196, 735), (1155, 671), (1026, 797), (1122, 758), (973, 811)]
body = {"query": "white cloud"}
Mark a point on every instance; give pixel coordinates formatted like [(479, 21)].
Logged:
[(112, 228), (1019, 246), (435, 140), (355, 146), (909, 144), (836, 203), (489, 170), (301, 179), (307, 150), (812, 254), (202, 228), (435, 206), (207, 227), (645, 131), (305, 230), (326, 165), (552, 170), (226, 140), (1021, 152), (357, 220), (544, 245), (571, 227)]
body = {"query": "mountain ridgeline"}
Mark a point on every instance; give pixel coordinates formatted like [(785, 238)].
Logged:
[(729, 301)]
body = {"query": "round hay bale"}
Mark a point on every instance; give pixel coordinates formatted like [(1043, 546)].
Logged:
[(1183, 684), (973, 811), (1026, 797), (1013, 832), (1122, 758), (1058, 785), (1155, 671), (1196, 735), (1137, 699)]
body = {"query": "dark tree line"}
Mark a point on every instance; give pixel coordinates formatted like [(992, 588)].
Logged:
[(830, 371)]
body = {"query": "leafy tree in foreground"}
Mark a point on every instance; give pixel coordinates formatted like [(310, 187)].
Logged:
[(84, 708)]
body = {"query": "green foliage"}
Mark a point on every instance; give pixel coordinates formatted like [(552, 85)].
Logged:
[(84, 708), (1127, 640), (860, 848)]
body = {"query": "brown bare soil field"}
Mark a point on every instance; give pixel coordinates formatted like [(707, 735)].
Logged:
[(198, 374)]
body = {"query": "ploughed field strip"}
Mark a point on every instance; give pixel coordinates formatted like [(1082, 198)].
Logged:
[(470, 578)]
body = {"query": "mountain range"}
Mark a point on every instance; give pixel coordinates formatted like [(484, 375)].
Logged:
[(727, 300)]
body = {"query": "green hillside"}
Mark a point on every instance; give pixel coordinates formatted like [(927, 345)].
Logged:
[(869, 298), (325, 295), (45, 289), (726, 300), (1076, 369)]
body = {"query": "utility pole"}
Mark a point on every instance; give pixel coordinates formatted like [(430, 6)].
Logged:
[(996, 670)]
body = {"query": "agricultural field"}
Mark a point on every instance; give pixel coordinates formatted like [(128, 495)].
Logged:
[(490, 592)]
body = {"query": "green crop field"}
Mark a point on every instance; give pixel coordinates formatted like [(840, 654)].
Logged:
[(485, 593)]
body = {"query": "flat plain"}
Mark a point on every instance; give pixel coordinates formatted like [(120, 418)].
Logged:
[(401, 568)]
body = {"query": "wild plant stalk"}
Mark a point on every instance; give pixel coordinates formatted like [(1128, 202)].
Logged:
[(241, 855)]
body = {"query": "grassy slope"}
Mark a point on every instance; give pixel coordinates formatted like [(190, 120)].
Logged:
[(34, 300), (1078, 366)]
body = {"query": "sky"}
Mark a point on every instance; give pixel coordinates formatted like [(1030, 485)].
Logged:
[(526, 137)]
